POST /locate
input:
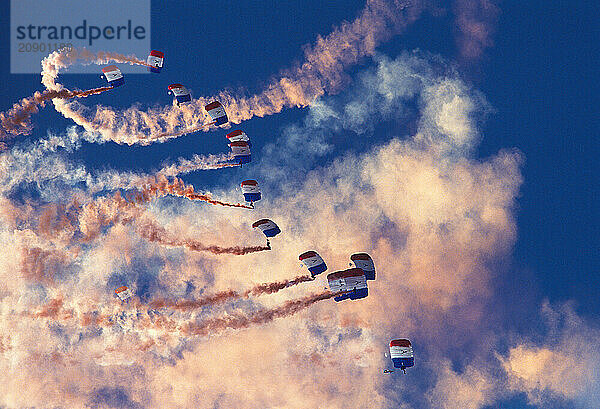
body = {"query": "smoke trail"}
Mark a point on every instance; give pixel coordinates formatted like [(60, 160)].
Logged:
[(239, 321), (56, 311), (110, 180), (270, 288), (90, 218), (159, 123), (224, 296), (157, 234), (199, 163), (213, 326), (17, 120), (184, 305), (162, 187), (31, 164), (66, 57), (322, 71)]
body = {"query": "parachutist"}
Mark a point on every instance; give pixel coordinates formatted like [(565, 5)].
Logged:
[(401, 353), (268, 245), (348, 284), (155, 61), (364, 262), (217, 113), (241, 152), (238, 135), (251, 191), (313, 261), (113, 76), (268, 227), (181, 94)]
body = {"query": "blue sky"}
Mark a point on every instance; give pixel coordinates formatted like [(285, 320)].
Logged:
[(535, 96)]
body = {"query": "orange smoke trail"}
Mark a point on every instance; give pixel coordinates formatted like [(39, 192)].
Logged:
[(185, 305), (17, 120), (270, 288), (239, 321), (321, 72), (178, 188), (156, 234), (93, 91), (90, 218), (224, 296), (55, 310), (206, 198)]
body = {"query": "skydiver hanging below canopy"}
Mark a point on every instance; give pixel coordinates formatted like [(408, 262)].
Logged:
[(155, 61), (402, 355), (182, 94), (268, 227), (251, 191), (241, 152)]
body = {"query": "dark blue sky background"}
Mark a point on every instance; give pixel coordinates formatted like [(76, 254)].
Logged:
[(540, 78)]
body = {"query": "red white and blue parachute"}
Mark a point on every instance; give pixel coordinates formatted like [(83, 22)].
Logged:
[(251, 191), (155, 61), (181, 93), (123, 293), (401, 353), (353, 281), (217, 113), (238, 135), (113, 75), (268, 227), (241, 151), (364, 262), (313, 261)]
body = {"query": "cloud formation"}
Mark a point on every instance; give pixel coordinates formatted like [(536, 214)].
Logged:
[(430, 215), (565, 365)]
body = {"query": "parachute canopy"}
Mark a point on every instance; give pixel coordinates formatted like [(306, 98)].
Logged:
[(113, 75), (181, 93), (123, 293), (352, 280), (401, 353), (365, 262), (241, 151), (268, 227), (217, 113), (251, 190), (238, 136), (313, 262), (155, 61)]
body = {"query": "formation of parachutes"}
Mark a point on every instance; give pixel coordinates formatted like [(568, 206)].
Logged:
[(347, 284)]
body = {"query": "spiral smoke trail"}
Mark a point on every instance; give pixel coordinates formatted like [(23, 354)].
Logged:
[(321, 72)]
